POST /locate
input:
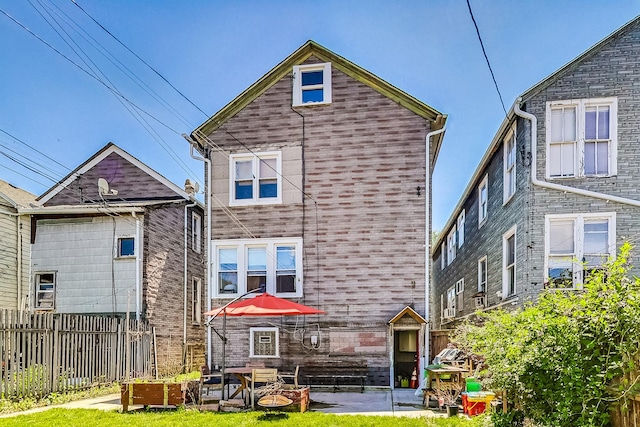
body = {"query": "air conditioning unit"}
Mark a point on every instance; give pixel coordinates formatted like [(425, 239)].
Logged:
[(449, 313), (480, 301)]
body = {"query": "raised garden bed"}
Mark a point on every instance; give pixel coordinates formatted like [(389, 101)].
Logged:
[(157, 394)]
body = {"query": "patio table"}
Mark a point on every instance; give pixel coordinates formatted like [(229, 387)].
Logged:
[(243, 373)]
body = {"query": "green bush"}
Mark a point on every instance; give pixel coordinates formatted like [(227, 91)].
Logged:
[(563, 360)]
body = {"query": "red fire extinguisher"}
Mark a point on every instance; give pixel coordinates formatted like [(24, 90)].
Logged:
[(414, 379)]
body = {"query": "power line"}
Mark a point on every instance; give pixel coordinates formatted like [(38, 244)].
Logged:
[(486, 57)]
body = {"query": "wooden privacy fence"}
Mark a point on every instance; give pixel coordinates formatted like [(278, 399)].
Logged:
[(45, 352)]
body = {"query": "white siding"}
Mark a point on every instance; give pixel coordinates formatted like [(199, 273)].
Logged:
[(81, 251)]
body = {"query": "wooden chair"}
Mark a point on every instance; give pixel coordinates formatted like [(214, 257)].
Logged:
[(209, 380), (293, 375), (261, 375)]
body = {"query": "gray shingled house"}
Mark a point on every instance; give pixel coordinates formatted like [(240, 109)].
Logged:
[(555, 194), (319, 193), (114, 236)]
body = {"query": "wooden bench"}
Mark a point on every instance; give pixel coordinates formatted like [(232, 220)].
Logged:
[(336, 373)]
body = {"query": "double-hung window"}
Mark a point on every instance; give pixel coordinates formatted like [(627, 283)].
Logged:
[(460, 294), (461, 228), (196, 300), (482, 274), (509, 160), (45, 290), (255, 178), (448, 306), (509, 263), (582, 138), (443, 256), (451, 246), (312, 84), (267, 265), (196, 232), (483, 200), (577, 244)]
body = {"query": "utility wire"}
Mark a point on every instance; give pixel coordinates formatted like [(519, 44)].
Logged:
[(486, 57), (139, 58)]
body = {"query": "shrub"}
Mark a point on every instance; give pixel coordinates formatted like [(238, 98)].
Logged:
[(564, 359)]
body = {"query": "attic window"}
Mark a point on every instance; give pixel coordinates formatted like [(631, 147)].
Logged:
[(312, 84)]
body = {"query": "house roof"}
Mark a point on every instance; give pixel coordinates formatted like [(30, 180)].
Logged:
[(311, 48), (504, 126), (16, 196), (410, 312), (97, 158)]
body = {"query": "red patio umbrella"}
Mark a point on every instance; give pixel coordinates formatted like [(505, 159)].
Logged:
[(260, 305), (264, 305)]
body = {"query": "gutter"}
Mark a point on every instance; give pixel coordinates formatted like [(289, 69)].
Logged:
[(209, 258), (554, 186), (184, 333), (427, 246)]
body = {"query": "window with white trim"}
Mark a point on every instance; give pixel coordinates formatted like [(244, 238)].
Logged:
[(45, 290), (461, 228), (509, 263), (482, 274), (125, 247), (264, 342), (255, 179), (460, 294), (451, 246), (509, 173), (450, 309), (443, 256), (196, 232), (196, 300), (483, 200), (270, 265), (312, 84), (577, 244), (582, 137)]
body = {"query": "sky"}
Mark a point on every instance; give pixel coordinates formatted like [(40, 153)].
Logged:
[(68, 86)]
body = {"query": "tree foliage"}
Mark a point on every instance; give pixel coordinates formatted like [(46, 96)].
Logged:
[(567, 358)]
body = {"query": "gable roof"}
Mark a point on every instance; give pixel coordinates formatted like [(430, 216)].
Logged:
[(16, 196), (553, 77), (311, 48), (97, 158), (410, 312)]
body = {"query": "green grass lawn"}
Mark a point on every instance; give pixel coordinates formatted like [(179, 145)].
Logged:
[(191, 418)]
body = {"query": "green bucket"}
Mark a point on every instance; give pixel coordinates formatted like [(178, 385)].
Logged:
[(473, 384)]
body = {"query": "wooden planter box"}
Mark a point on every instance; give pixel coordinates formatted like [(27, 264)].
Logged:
[(161, 394), (300, 398)]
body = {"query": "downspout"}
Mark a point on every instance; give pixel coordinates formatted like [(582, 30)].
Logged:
[(427, 250), (138, 259), (209, 259), (554, 186), (19, 256), (184, 333)]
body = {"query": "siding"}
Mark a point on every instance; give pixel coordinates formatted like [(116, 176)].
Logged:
[(363, 223)]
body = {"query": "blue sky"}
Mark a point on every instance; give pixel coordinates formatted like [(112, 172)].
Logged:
[(212, 50)]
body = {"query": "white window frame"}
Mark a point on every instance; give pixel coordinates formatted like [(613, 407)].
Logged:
[(252, 349), (579, 145), (196, 300), (460, 294), (482, 280), (443, 256), (298, 88), (575, 260), (38, 291), (196, 232), (118, 247), (451, 302), (241, 247), (255, 167), (507, 267), (483, 203), (451, 246), (509, 162), (461, 229)]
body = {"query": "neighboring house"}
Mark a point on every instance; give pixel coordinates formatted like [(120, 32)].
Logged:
[(109, 239), (320, 188), (15, 230), (544, 215)]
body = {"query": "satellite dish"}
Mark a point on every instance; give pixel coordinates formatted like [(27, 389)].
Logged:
[(103, 188)]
